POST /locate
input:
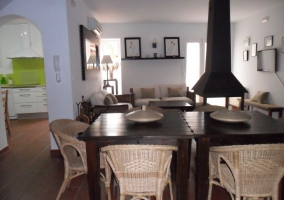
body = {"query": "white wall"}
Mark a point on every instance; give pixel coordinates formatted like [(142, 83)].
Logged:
[(246, 71), (150, 72), (60, 35)]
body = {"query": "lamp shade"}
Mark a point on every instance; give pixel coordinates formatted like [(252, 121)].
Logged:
[(106, 59), (92, 59)]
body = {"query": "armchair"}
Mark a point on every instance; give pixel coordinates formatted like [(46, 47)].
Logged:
[(91, 110)]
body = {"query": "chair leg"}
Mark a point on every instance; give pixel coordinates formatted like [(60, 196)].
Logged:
[(63, 187), (210, 190), (7, 121), (122, 197), (171, 189)]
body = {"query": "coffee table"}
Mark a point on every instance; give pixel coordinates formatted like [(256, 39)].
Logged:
[(182, 105)]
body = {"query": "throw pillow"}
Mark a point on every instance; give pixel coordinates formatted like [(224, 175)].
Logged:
[(174, 92), (259, 97), (113, 98), (147, 93), (97, 99), (108, 101)]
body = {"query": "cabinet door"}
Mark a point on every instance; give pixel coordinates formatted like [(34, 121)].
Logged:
[(22, 108), (25, 97)]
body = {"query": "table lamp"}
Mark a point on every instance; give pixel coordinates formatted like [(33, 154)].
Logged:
[(92, 60), (107, 60)]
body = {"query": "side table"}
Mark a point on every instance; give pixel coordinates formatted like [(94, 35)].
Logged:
[(115, 84)]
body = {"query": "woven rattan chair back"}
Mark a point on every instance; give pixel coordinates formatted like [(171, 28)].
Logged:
[(65, 132), (4, 95), (141, 170), (247, 171)]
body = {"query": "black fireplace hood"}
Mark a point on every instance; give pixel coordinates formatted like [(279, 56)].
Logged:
[(218, 80)]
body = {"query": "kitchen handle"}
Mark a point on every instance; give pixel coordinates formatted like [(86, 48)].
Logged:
[(26, 106), (25, 95), (24, 90)]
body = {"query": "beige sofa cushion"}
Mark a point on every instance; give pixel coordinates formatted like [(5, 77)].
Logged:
[(137, 91), (164, 89), (259, 97), (174, 92), (147, 93)]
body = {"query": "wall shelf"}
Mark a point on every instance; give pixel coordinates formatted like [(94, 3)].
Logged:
[(159, 58)]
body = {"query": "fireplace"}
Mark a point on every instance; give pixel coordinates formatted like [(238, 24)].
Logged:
[(218, 80)]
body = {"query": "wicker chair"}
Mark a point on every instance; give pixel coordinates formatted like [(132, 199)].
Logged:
[(247, 171), (65, 132), (141, 170)]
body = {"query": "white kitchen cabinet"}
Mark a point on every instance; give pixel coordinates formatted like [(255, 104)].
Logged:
[(30, 100), (11, 104), (41, 99)]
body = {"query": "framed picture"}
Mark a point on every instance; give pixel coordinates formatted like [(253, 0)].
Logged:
[(253, 49), (245, 55), (268, 41), (171, 46), (90, 59), (246, 41), (132, 47), (282, 47)]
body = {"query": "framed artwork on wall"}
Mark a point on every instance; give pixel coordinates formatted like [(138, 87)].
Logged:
[(282, 47), (245, 55), (89, 45), (253, 49), (171, 47), (132, 47), (268, 41)]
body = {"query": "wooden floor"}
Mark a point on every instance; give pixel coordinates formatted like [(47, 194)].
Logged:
[(29, 172)]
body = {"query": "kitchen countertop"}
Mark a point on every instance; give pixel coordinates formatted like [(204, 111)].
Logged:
[(22, 86)]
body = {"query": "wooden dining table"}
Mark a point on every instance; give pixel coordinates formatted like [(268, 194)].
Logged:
[(260, 129), (114, 128)]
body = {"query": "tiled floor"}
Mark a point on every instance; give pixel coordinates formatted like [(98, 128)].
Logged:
[(29, 172)]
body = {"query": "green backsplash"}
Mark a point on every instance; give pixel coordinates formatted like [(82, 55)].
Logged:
[(27, 64)]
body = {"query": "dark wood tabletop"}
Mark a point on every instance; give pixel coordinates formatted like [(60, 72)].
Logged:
[(182, 105), (114, 128), (209, 132)]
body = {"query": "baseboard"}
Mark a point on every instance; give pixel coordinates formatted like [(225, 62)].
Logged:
[(55, 152), (4, 150)]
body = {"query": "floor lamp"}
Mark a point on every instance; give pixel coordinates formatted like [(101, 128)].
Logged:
[(107, 60)]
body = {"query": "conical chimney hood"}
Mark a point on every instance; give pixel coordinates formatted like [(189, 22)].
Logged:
[(218, 80), (25, 51)]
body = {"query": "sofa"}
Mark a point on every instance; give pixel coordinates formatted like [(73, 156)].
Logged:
[(166, 92), (104, 102)]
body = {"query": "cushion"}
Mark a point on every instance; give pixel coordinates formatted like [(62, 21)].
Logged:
[(98, 99), (164, 89), (147, 93), (108, 100), (174, 92), (137, 91), (104, 92), (259, 97), (113, 98)]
